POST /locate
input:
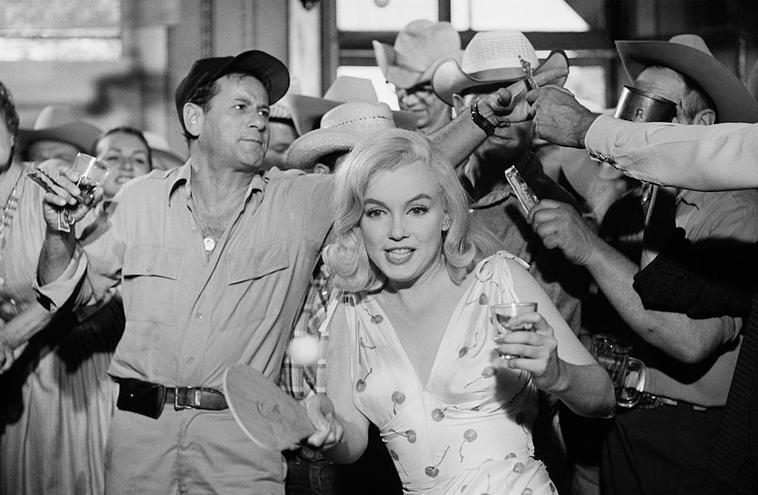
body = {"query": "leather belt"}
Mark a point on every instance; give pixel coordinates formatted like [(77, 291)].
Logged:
[(195, 398), (149, 398), (652, 401)]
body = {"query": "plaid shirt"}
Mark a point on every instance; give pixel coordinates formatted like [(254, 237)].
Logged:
[(298, 380)]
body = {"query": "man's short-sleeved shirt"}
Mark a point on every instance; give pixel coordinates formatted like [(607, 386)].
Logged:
[(190, 315)]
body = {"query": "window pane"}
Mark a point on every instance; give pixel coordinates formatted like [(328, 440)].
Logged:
[(384, 90), (518, 15), (59, 14), (369, 15), (63, 30)]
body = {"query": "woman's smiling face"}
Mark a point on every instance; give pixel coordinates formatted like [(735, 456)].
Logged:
[(403, 221)]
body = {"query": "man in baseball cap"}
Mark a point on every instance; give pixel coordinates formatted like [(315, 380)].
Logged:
[(213, 259)]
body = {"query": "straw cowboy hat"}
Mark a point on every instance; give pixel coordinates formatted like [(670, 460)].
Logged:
[(57, 123), (341, 128), (490, 58), (306, 111), (419, 48), (689, 55)]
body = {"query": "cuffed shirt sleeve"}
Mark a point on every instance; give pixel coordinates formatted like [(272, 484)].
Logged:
[(55, 294), (720, 156)]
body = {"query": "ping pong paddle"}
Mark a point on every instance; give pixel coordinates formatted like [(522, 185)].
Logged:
[(268, 416)]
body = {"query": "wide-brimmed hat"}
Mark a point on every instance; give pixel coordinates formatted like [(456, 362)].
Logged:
[(58, 123), (492, 57), (164, 157), (269, 70), (689, 55), (419, 48), (307, 111), (341, 129)]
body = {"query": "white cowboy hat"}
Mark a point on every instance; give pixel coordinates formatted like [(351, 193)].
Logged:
[(58, 123), (492, 57), (341, 128), (306, 111), (689, 55), (419, 48)]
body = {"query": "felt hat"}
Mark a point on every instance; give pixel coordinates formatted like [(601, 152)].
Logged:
[(689, 55), (58, 123), (341, 129), (418, 49), (492, 57), (307, 111), (269, 70)]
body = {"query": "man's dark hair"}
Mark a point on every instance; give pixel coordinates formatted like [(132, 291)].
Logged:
[(132, 131), (8, 109)]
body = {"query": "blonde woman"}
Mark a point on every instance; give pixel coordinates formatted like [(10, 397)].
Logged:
[(412, 346)]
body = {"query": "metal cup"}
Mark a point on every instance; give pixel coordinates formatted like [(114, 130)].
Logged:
[(640, 106), (627, 373)]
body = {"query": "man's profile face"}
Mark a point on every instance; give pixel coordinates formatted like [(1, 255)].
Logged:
[(282, 134), (507, 144), (235, 128), (662, 81), (431, 112)]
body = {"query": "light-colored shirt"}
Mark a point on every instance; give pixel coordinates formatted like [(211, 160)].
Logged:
[(715, 157), (713, 216), (189, 315)]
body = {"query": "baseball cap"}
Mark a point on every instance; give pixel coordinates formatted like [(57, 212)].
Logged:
[(269, 70)]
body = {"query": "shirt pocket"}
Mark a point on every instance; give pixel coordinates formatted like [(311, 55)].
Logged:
[(150, 274), (257, 263)]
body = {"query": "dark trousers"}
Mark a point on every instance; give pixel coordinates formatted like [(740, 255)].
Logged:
[(659, 451), (309, 473)]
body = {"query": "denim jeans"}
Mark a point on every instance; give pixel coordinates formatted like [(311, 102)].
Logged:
[(309, 473)]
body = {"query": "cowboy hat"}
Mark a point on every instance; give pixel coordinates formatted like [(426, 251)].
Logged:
[(164, 157), (492, 57), (307, 111), (341, 128), (57, 123), (689, 55), (419, 48)]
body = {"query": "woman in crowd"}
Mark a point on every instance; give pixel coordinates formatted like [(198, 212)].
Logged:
[(58, 397), (424, 361)]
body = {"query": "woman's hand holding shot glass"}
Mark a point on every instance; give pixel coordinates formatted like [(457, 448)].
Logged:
[(526, 342)]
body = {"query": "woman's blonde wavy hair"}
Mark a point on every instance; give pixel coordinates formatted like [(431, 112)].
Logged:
[(345, 254)]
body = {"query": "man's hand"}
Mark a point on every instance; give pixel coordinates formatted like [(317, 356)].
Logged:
[(559, 118), (329, 429), (560, 226), (63, 197)]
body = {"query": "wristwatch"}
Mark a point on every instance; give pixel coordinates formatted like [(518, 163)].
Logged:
[(479, 120)]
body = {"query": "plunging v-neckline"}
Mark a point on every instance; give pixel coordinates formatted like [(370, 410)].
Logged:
[(447, 335)]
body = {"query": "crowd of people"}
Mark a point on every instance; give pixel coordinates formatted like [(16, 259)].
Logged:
[(389, 238)]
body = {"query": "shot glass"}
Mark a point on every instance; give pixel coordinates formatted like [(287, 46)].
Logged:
[(92, 173), (502, 314)]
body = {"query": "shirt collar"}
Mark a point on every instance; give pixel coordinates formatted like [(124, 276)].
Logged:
[(182, 176)]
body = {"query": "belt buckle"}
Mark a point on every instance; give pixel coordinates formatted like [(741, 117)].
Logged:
[(179, 407)]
